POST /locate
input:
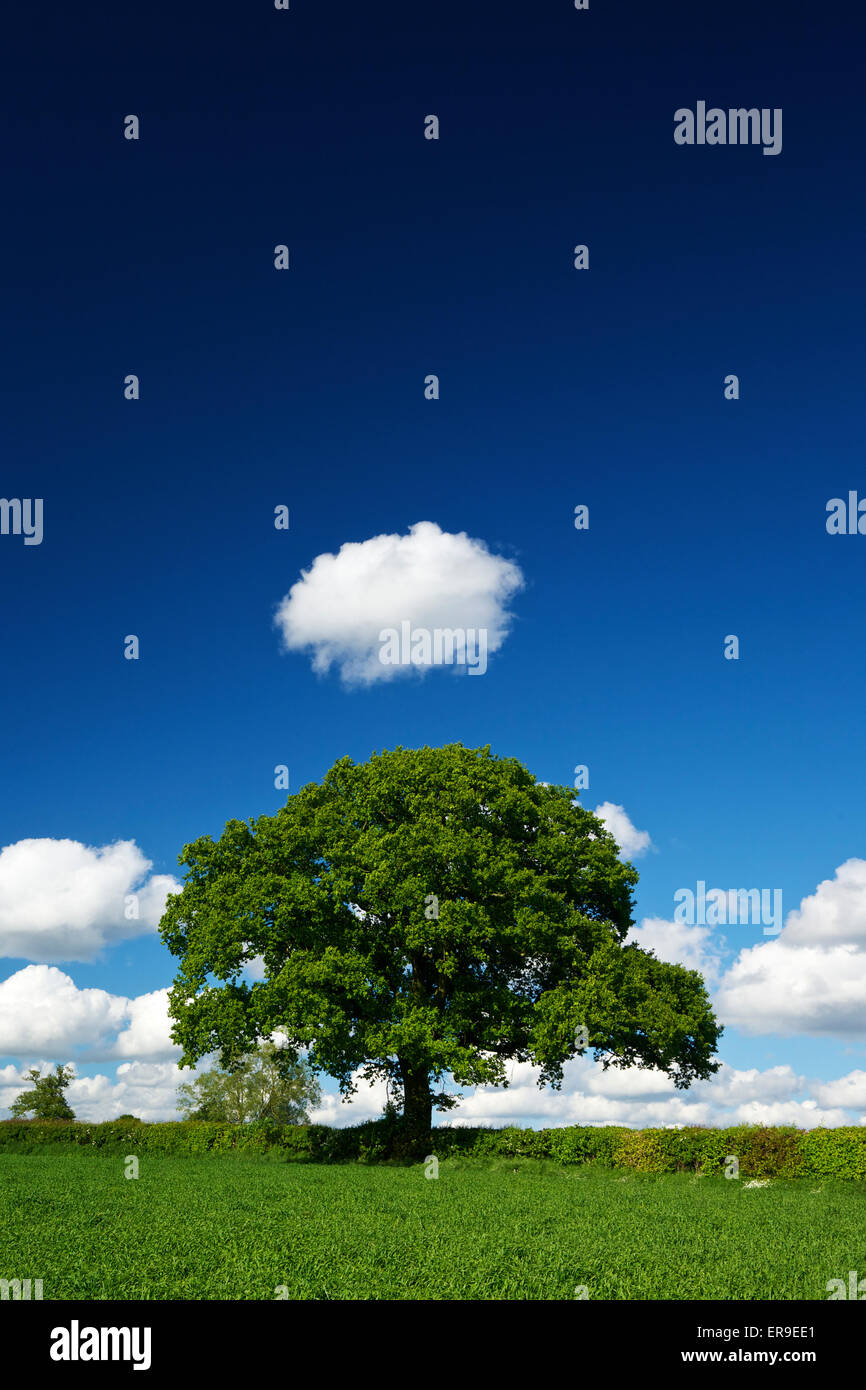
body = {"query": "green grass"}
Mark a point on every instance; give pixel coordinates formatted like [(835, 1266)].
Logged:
[(209, 1228)]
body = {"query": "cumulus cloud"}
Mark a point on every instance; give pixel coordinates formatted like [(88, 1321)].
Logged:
[(732, 1087), (697, 948), (42, 1010), (62, 900), (148, 1090), (430, 578), (811, 978), (367, 1104), (848, 1091), (589, 1097), (834, 913), (632, 842), (148, 1028)]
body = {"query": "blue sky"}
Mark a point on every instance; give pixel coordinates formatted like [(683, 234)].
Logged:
[(558, 387)]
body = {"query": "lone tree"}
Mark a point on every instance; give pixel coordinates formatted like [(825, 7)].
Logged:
[(432, 912), (46, 1101), (265, 1085)]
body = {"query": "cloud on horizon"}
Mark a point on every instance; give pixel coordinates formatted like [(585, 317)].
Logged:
[(589, 1096)]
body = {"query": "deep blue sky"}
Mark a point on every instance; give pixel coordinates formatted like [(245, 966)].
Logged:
[(557, 388)]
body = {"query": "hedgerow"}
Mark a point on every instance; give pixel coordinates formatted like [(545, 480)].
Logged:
[(761, 1151)]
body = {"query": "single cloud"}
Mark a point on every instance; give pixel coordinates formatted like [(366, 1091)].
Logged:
[(430, 579), (632, 842), (835, 912), (61, 900), (148, 1030), (811, 978), (42, 1010), (697, 948), (848, 1091)]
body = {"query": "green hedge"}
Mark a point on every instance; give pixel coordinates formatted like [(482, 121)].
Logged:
[(761, 1151)]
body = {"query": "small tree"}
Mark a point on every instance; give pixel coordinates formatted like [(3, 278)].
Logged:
[(46, 1100), (265, 1084)]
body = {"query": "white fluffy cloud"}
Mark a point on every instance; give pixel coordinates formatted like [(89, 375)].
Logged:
[(632, 842), (431, 578), (61, 900), (42, 1010), (697, 948), (148, 1090), (811, 978), (848, 1091), (367, 1104), (834, 913), (148, 1028)]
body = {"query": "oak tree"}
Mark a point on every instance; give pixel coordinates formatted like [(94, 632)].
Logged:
[(422, 918)]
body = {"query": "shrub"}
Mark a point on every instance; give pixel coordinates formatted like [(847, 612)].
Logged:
[(642, 1150), (834, 1153), (762, 1151), (772, 1153)]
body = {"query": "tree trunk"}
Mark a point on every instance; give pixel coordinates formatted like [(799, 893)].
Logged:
[(417, 1107)]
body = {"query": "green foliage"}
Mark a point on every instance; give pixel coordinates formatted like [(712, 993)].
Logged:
[(46, 1101), (761, 1151), (430, 913), (773, 1152), (834, 1153), (640, 1150), (267, 1084)]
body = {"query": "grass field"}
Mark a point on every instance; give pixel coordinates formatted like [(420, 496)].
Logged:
[(208, 1228)]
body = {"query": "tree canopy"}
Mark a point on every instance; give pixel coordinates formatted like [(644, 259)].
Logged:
[(46, 1101), (264, 1085), (430, 913)]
